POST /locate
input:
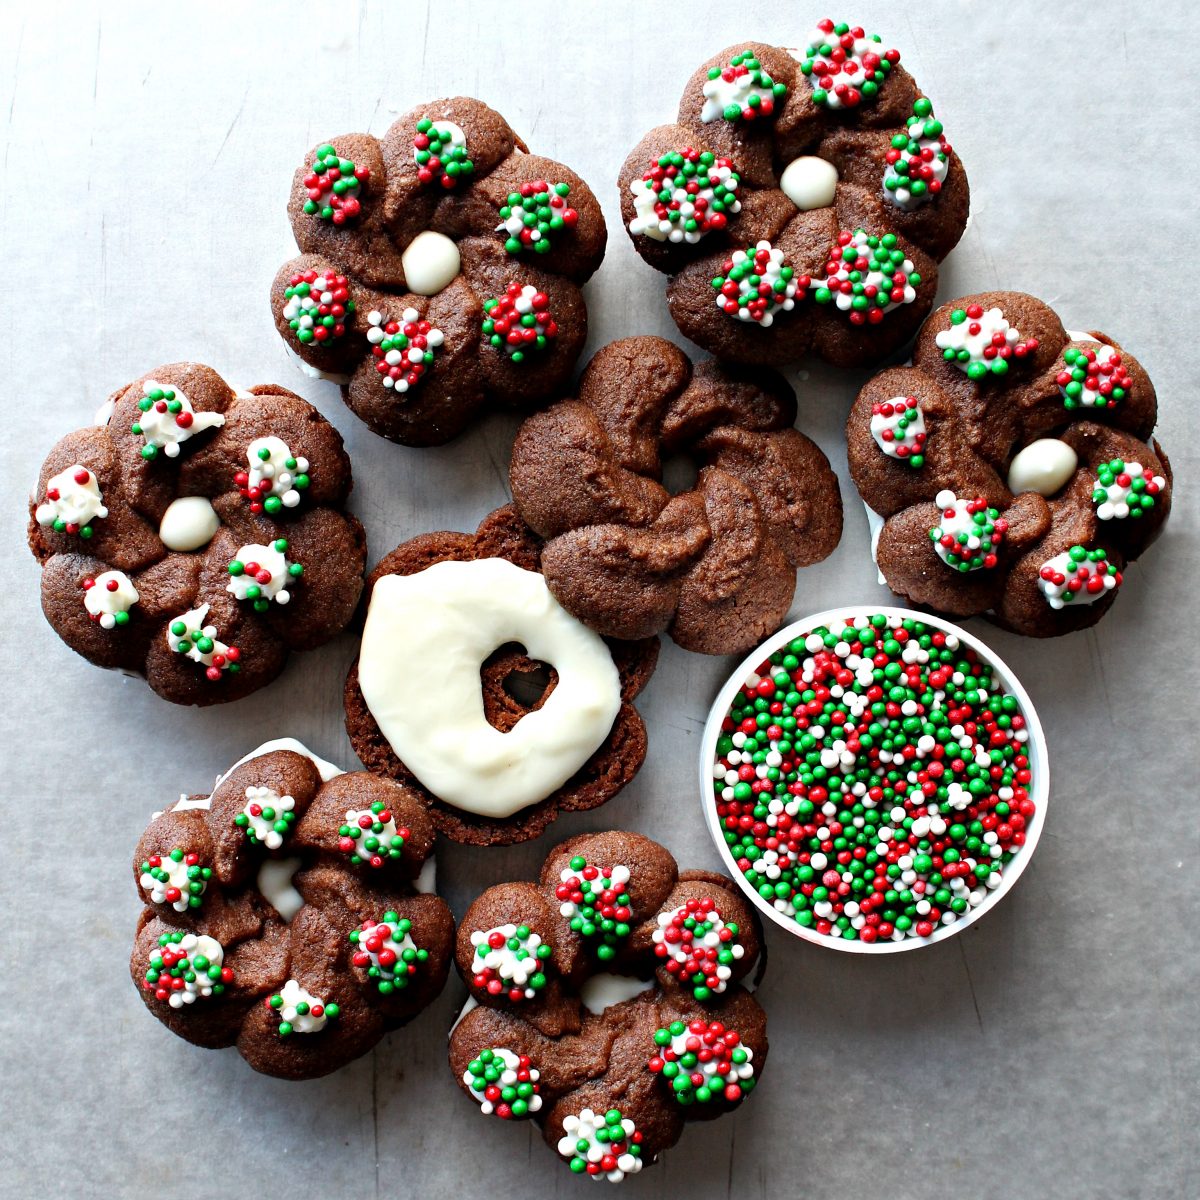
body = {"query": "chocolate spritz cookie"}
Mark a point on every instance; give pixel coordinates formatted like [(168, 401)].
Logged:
[(800, 203), (714, 566), (290, 913), (1011, 466), (440, 270), (485, 697), (197, 534), (606, 1002)]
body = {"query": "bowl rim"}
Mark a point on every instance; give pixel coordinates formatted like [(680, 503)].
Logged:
[(1038, 761)]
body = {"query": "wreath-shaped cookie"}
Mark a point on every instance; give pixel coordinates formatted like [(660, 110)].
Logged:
[(440, 270), (801, 202), (714, 566), (281, 915), (478, 691), (606, 1002), (197, 534), (1012, 466)]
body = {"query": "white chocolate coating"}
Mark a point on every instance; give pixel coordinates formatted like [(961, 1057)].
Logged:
[(275, 884), (70, 500), (189, 523), (426, 636), (112, 592), (430, 262)]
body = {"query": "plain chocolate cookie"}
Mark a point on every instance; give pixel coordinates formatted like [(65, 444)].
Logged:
[(506, 699), (800, 203), (440, 270), (197, 534), (714, 566), (281, 915), (606, 1001), (1012, 465)]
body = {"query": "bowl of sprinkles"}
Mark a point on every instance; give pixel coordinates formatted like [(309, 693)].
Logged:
[(876, 778)]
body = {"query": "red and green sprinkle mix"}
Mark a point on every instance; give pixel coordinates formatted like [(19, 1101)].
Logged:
[(595, 900), (917, 160), (684, 195), (703, 1061), (1123, 489), (258, 584), (871, 779), (741, 91), (508, 961), (1077, 576), (186, 966), (865, 275), (969, 533), (333, 185), (403, 350), (698, 946), (176, 878), (504, 1083), (845, 65), (386, 951), (318, 304), (372, 837), (756, 283), (440, 152), (981, 342), (535, 212), (299, 1011), (1093, 377), (519, 322)]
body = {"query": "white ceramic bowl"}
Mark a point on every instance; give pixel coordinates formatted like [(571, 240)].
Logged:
[(1039, 789)]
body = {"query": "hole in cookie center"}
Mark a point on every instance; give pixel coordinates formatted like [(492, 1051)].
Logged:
[(679, 473), (513, 685)]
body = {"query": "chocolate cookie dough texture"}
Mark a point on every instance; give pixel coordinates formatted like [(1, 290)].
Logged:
[(197, 534), (446, 697), (440, 270), (1012, 466), (714, 566), (290, 913), (607, 1002), (800, 203)]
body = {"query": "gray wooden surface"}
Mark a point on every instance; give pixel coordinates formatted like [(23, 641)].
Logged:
[(1051, 1050)]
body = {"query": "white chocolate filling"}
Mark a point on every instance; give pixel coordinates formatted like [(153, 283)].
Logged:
[(425, 638)]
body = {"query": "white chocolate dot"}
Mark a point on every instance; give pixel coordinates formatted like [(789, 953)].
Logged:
[(430, 262), (809, 182), (1043, 466), (189, 523)]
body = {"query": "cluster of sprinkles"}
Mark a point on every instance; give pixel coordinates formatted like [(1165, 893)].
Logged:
[(684, 195), (333, 186), (969, 532), (519, 322), (73, 501), (871, 779), (168, 419), (703, 1061), (185, 967), (533, 214), (898, 427), (1123, 489), (259, 574), (1093, 377), (267, 817), (386, 951), (504, 1083), (440, 152), (865, 275), (108, 598), (509, 961), (317, 305), (372, 837), (698, 946), (756, 283), (595, 900), (175, 878), (741, 91), (188, 635), (275, 476), (918, 160), (1077, 576), (844, 65), (403, 350), (604, 1145), (982, 343), (299, 1011)]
